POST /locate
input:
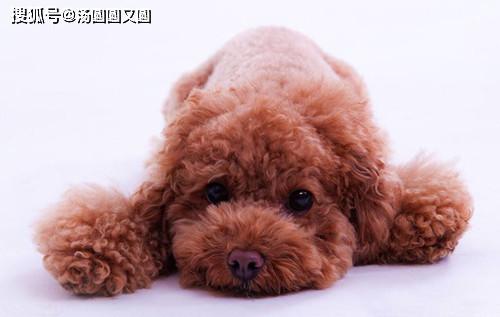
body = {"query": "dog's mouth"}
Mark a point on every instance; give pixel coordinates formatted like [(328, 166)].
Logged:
[(248, 250), (244, 289)]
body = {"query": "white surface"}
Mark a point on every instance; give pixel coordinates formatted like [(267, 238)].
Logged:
[(80, 104)]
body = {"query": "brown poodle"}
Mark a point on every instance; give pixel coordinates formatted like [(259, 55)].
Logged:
[(272, 177)]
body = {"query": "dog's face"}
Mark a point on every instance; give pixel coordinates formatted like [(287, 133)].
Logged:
[(256, 206)]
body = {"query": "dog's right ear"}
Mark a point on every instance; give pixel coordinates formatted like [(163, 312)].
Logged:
[(153, 195)]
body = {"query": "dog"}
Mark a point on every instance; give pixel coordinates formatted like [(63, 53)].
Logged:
[(271, 177)]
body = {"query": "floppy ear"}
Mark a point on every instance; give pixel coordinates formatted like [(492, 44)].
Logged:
[(368, 195), (366, 187), (153, 196)]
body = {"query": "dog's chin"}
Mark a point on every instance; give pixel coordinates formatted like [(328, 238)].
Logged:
[(292, 257), (247, 289)]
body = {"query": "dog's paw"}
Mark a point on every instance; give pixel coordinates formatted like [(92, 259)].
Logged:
[(86, 273), (435, 211), (425, 237), (92, 244)]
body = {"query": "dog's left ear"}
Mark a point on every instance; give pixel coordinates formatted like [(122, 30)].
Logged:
[(368, 196), (367, 191)]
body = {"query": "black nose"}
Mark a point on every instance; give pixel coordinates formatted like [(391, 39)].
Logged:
[(245, 265)]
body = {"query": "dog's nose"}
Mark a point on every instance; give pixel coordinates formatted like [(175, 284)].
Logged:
[(245, 265)]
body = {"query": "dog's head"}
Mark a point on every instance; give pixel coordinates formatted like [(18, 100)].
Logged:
[(266, 196)]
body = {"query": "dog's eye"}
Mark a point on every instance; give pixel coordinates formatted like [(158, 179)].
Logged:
[(300, 201), (216, 193)]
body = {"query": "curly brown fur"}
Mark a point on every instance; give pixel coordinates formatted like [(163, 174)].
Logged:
[(268, 114), (95, 244), (434, 213)]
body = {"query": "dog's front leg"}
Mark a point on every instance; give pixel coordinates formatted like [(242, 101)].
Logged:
[(99, 242), (434, 211)]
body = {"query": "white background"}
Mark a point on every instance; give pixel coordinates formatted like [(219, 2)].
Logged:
[(80, 103)]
